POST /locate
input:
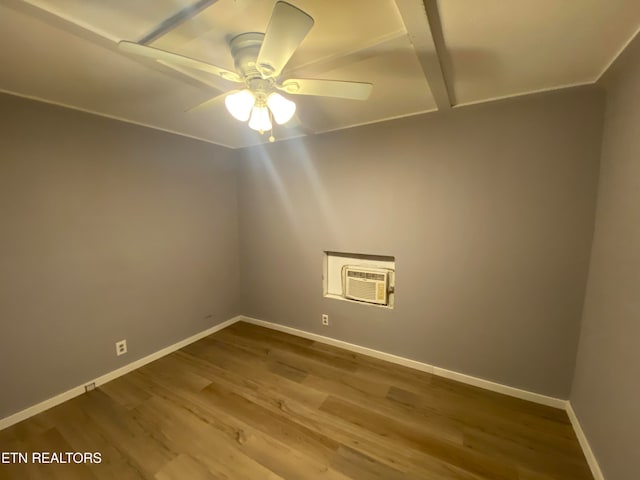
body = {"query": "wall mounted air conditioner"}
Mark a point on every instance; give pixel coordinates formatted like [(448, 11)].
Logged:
[(366, 284)]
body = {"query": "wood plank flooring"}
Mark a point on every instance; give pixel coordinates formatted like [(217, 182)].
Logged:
[(253, 403)]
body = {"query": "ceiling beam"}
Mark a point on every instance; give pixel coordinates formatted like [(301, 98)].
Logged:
[(435, 24), (421, 18), (175, 20)]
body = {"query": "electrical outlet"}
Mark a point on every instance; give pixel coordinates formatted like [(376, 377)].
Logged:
[(90, 386), (325, 319), (121, 347)]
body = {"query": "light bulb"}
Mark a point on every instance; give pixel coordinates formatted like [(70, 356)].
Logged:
[(240, 104), (259, 120), (282, 108)]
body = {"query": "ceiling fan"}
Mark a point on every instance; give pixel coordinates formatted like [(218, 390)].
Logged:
[(259, 60)]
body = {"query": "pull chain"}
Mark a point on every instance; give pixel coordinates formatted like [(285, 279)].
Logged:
[(271, 137)]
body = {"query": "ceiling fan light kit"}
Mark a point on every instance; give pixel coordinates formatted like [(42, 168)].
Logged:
[(259, 60), (245, 105)]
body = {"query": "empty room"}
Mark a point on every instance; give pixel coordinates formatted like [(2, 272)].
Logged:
[(260, 239)]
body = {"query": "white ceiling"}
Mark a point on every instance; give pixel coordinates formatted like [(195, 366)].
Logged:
[(465, 51)]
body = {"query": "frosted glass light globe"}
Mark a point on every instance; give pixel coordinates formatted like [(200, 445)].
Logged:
[(240, 104), (259, 120), (281, 108)]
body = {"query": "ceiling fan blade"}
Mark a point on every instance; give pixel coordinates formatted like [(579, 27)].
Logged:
[(212, 102), (327, 88), (164, 56), (287, 28)]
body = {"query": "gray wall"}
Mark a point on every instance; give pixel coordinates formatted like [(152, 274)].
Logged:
[(488, 211), (606, 390), (113, 231), (109, 231)]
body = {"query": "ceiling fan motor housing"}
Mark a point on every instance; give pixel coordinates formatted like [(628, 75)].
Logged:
[(244, 49)]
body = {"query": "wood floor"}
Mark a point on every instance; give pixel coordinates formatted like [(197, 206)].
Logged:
[(252, 403)]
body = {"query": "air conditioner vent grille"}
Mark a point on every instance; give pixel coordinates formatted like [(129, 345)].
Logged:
[(366, 275), (363, 290)]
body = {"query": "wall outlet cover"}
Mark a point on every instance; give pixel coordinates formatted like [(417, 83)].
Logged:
[(121, 347)]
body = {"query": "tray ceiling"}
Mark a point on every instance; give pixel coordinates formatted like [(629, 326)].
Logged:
[(465, 51)]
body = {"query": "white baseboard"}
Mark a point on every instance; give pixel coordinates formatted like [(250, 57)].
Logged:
[(424, 367), (79, 390), (584, 443), (460, 377)]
